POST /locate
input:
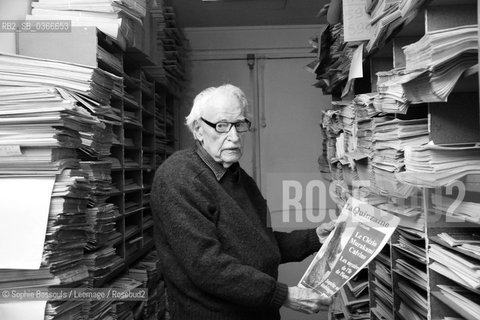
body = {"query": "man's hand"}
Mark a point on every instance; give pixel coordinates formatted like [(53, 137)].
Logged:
[(306, 300), (324, 230)]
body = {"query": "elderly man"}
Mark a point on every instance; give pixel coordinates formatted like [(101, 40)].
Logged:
[(220, 258)]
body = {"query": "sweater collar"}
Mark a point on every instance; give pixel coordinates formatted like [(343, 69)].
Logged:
[(218, 170)]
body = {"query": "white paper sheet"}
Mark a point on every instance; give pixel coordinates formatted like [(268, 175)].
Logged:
[(24, 211), (31, 310)]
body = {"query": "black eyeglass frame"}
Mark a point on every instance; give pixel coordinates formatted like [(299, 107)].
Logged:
[(214, 125)]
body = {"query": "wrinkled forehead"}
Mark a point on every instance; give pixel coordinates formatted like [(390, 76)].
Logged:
[(223, 105)]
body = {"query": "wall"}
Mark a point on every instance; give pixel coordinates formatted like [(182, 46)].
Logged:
[(289, 143), (12, 10)]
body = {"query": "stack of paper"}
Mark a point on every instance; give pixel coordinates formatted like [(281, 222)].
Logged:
[(365, 107), (412, 218), (436, 83), (357, 307), (23, 71), (101, 263), (414, 249), (389, 140), (171, 44), (387, 16), (148, 271), (434, 166), (66, 231), (383, 296), (335, 59), (463, 301), (116, 18), (65, 310), (436, 62), (411, 271), (397, 134), (415, 299), (438, 47), (101, 216), (455, 266), (365, 133), (391, 96)]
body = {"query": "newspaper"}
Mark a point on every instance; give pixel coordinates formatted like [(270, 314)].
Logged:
[(359, 235)]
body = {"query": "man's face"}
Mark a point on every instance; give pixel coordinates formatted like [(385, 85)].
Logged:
[(225, 148)]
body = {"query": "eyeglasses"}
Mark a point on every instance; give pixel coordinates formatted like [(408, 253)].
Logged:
[(224, 126)]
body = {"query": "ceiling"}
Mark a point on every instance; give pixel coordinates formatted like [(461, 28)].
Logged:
[(228, 13)]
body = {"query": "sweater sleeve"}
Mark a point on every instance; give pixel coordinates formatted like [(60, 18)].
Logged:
[(185, 216), (297, 245)]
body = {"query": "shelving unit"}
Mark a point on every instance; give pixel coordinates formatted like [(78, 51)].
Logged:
[(393, 287), (144, 135)]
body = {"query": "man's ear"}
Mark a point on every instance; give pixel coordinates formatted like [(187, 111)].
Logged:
[(198, 131)]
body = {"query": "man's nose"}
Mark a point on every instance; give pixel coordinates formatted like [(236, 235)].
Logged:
[(233, 135)]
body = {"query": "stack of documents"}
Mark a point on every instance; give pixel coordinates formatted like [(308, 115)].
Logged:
[(438, 47), (365, 128), (116, 18), (397, 134), (171, 49), (412, 271), (463, 301), (455, 266), (437, 82), (415, 249), (365, 107), (412, 217), (389, 139), (101, 216), (66, 310), (436, 62), (414, 301), (101, 263), (94, 83), (435, 166), (381, 287), (123, 309), (357, 307), (387, 16), (67, 225), (391, 96)]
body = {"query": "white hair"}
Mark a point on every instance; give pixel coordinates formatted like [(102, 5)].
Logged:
[(200, 102)]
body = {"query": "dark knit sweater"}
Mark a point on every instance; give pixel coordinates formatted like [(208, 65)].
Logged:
[(220, 260)]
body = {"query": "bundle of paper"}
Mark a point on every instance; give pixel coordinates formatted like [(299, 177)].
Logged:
[(24, 278), (416, 300), (440, 46), (456, 266), (463, 301), (101, 216), (437, 82), (398, 134), (66, 236), (412, 271), (101, 262), (416, 250), (384, 24), (411, 217), (434, 166), (95, 83), (391, 96), (116, 18)]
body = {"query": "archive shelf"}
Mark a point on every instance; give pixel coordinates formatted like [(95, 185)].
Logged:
[(456, 121), (141, 133)]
